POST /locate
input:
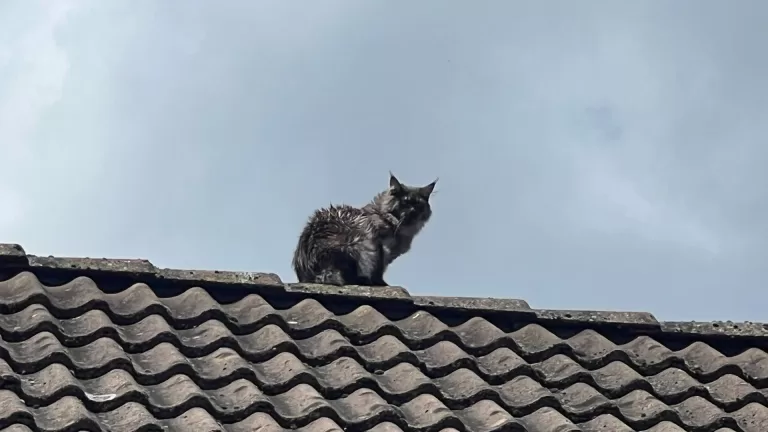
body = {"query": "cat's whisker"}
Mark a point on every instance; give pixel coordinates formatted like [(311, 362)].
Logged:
[(397, 227)]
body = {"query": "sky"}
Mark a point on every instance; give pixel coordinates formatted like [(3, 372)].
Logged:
[(594, 155)]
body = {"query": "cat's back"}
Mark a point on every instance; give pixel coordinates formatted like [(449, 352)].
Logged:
[(333, 220), (336, 214)]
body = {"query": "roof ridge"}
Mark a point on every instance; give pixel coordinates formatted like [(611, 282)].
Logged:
[(13, 256)]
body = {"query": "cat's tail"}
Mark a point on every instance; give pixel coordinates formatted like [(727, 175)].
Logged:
[(331, 276), (337, 268), (328, 267)]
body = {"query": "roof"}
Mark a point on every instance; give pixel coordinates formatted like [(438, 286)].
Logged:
[(120, 345)]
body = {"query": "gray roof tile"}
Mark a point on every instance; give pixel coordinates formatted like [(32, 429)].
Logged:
[(118, 345)]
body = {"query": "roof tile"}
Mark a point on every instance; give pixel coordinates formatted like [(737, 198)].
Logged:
[(88, 355), (752, 417), (548, 419), (606, 423)]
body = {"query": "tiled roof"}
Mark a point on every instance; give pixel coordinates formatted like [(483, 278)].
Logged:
[(119, 345)]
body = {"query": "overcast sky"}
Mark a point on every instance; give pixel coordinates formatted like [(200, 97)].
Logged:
[(591, 155)]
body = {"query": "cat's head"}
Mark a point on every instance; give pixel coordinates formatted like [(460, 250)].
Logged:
[(409, 204)]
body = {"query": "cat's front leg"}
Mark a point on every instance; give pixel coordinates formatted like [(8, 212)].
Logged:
[(377, 276)]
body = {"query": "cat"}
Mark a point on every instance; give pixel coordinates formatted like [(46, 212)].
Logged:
[(345, 245)]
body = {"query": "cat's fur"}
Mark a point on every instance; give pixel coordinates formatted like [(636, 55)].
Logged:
[(345, 245)]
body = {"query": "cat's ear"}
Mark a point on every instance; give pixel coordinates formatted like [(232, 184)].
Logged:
[(394, 183), (426, 191)]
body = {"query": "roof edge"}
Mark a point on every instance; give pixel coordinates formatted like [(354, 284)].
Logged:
[(717, 328), (14, 256), (642, 319)]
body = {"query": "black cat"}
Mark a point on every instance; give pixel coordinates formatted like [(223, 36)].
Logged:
[(345, 245)]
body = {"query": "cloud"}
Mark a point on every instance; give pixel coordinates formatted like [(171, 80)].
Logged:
[(592, 157), (612, 202), (33, 70)]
